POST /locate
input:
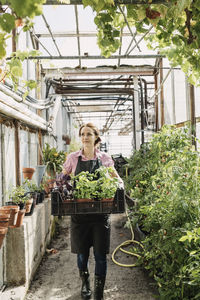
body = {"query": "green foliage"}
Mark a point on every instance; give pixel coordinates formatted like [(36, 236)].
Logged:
[(165, 183), (30, 186), (17, 194), (53, 159), (176, 30), (97, 186), (14, 69), (21, 12)]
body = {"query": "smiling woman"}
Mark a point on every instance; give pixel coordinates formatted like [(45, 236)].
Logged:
[(90, 230)]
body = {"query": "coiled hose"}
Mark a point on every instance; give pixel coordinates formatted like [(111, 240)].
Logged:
[(125, 244)]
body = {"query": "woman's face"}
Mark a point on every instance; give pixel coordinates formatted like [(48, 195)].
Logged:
[(87, 136)]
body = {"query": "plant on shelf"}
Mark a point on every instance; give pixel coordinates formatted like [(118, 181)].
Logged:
[(53, 159), (18, 195), (98, 186), (30, 186)]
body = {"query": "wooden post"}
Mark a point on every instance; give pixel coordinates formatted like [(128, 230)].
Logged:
[(192, 115), (14, 47), (39, 112), (17, 153), (156, 102), (137, 114), (161, 95)]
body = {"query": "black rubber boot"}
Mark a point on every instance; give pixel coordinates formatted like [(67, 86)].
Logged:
[(85, 289), (99, 282)]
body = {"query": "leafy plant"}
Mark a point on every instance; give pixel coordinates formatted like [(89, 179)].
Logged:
[(97, 186), (13, 14), (165, 184), (30, 186), (53, 159), (176, 29), (18, 194)]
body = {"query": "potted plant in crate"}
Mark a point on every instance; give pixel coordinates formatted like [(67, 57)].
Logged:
[(53, 160)]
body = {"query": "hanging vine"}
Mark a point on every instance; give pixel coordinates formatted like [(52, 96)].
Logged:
[(176, 31), (14, 14), (176, 26)]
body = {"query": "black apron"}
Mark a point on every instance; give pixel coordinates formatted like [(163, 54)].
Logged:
[(89, 230)]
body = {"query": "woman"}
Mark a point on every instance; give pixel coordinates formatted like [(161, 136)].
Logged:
[(89, 230)]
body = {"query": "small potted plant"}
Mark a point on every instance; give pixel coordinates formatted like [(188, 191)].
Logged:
[(53, 160), (18, 196), (31, 189)]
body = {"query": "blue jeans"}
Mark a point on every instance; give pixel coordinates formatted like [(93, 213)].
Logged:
[(100, 263)]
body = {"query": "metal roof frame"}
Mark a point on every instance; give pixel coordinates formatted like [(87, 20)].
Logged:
[(102, 81)]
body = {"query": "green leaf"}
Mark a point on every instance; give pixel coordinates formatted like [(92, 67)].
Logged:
[(7, 22), (16, 71)]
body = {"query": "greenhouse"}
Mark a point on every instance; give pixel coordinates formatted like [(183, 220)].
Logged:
[(99, 101)]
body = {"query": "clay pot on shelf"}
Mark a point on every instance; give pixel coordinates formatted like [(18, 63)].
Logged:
[(3, 231), (20, 218), (28, 205), (28, 172), (4, 218), (13, 210)]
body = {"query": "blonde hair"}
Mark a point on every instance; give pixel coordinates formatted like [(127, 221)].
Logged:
[(94, 129)]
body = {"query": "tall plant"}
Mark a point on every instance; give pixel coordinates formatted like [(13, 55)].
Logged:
[(53, 159), (166, 188)]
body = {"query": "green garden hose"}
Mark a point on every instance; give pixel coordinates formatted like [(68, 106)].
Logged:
[(126, 243)]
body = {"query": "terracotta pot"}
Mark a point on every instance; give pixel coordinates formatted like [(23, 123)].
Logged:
[(28, 205), (51, 173), (13, 210), (84, 200), (28, 173), (107, 199), (4, 218), (20, 218), (32, 205), (51, 183), (3, 231), (47, 190)]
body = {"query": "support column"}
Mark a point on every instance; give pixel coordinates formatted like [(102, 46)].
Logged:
[(162, 115), (17, 153), (137, 113), (156, 103), (192, 110), (39, 112), (173, 98)]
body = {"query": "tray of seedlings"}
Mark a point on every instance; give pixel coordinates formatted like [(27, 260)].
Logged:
[(87, 193)]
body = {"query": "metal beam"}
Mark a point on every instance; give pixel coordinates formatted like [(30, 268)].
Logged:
[(88, 57), (73, 34), (79, 2), (99, 71)]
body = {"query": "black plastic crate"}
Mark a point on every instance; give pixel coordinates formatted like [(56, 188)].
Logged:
[(60, 206)]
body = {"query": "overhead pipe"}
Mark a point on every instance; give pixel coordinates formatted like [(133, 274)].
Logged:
[(78, 2), (11, 112), (18, 111), (19, 98), (20, 107)]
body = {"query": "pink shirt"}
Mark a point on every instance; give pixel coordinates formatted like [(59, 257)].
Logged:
[(72, 160)]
